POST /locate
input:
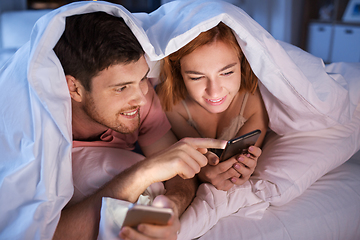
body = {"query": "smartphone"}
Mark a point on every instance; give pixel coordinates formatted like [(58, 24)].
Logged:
[(237, 145), (138, 213)]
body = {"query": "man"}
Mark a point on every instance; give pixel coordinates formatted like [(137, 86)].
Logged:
[(114, 105)]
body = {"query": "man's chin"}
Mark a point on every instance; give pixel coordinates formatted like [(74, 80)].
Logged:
[(126, 130), (127, 126)]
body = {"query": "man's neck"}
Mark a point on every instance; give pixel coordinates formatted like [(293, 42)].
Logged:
[(83, 127)]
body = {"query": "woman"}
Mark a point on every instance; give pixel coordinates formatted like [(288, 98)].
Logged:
[(208, 90)]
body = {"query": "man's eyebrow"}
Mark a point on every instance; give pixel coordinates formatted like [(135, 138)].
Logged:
[(145, 76), (223, 69), (130, 82)]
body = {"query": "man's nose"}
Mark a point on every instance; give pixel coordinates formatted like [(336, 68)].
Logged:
[(139, 98)]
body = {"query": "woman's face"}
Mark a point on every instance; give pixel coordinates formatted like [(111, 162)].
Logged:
[(212, 75)]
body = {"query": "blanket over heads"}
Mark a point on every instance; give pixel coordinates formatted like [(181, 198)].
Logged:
[(298, 92), (35, 128)]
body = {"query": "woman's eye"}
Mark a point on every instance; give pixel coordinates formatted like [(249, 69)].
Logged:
[(228, 73), (196, 78)]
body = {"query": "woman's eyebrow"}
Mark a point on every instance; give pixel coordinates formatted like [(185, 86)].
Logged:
[(228, 66), (223, 69), (193, 72)]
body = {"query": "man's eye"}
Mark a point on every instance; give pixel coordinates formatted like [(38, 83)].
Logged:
[(120, 89)]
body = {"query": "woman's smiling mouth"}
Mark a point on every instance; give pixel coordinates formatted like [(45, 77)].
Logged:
[(215, 102)]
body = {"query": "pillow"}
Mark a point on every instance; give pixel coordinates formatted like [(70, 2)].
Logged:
[(289, 164)]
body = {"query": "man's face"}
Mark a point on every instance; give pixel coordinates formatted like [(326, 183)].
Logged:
[(116, 95)]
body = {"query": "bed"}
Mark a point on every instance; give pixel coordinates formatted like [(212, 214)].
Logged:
[(328, 209), (303, 188)]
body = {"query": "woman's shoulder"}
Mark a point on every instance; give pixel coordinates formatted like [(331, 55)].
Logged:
[(256, 103), (255, 97), (178, 110)]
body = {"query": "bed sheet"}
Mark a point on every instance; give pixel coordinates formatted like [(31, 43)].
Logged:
[(329, 209)]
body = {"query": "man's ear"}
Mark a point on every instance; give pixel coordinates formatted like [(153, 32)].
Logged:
[(75, 88)]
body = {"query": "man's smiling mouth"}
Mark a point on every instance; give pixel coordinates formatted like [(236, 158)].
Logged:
[(132, 113)]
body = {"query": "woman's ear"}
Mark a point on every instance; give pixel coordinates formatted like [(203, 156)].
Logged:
[(76, 90)]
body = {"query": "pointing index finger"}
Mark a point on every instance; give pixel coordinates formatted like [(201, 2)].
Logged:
[(206, 142)]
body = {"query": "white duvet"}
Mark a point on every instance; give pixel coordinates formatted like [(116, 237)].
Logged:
[(299, 92)]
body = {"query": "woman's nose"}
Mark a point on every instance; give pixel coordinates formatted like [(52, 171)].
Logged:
[(213, 87)]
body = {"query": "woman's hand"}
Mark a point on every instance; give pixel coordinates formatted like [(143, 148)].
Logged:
[(219, 174), (236, 170), (246, 164)]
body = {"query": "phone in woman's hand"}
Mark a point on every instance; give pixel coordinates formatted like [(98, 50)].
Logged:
[(237, 145)]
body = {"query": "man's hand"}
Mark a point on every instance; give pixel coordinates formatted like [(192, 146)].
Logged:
[(185, 158), (236, 170), (148, 231)]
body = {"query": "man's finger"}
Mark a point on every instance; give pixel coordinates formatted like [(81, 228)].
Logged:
[(129, 233), (205, 142), (162, 201)]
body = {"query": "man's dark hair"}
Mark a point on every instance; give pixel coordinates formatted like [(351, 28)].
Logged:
[(93, 42)]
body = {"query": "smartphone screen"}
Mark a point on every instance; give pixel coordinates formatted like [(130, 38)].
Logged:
[(147, 214), (237, 145)]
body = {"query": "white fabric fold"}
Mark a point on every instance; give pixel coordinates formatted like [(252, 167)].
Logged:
[(210, 205), (291, 163)]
